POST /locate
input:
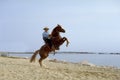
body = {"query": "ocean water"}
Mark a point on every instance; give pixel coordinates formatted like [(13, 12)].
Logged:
[(97, 59)]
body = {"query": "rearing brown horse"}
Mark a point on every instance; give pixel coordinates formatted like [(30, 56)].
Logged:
[(57, 40)]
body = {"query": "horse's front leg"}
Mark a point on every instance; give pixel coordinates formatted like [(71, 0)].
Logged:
[(67, 42)]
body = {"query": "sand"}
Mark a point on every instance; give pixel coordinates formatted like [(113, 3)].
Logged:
[(22, 69)]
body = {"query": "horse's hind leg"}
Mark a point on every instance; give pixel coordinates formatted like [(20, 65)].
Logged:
[(43, 56), (40, 61)]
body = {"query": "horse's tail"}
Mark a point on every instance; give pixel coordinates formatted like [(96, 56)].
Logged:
[(33, 56)]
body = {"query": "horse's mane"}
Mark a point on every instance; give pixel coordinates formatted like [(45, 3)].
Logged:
[(55, 32)]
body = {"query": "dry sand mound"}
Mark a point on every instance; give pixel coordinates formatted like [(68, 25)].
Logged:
[(22, 69)]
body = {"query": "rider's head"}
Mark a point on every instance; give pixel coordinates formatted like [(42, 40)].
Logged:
[(46, 28)]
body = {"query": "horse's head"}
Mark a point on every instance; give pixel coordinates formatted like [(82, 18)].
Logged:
[(56, 30), (59, 28)]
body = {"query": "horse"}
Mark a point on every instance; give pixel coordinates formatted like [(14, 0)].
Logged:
[(57, 41)]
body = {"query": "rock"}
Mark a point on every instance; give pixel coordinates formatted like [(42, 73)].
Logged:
[(86, 63)]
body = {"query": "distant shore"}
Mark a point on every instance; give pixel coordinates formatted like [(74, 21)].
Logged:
[(68, 52), (15, 68)]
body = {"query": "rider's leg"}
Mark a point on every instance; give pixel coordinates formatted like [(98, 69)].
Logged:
[(50, 43)]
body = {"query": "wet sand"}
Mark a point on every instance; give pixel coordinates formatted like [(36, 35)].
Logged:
[(22, 69)]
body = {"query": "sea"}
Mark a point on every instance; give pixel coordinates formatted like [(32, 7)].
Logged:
[(100, 59)]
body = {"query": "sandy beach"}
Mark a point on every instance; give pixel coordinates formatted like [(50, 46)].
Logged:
[(22, 69)]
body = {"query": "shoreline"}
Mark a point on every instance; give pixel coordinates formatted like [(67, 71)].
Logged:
[(15, 68), (65, 52), (63, 59)]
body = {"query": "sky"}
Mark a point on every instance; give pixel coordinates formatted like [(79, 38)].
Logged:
[(91, 25)]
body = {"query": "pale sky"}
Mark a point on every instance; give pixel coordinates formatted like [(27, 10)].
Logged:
[(91, 25)]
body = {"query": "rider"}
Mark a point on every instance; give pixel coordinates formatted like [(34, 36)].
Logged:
[(47, 37)]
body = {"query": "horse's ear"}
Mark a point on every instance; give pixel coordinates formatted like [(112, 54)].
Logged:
[(58, 25)]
